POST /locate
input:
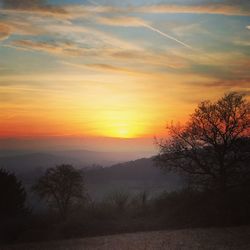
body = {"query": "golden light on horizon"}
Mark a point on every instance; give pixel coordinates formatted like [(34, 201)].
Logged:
[(119, 132), (124, 133), (120, 124)]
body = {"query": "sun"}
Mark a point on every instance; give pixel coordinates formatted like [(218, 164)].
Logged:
[(124, 133), (119, 124), (117, 130), (120, 130)]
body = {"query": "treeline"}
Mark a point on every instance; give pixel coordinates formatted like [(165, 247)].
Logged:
[(119, 212)]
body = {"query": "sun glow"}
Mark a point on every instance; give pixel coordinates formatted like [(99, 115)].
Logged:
[(121, 131), (121, 128)]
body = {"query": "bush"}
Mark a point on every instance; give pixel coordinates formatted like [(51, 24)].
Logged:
[(13, 211), (191, 208)]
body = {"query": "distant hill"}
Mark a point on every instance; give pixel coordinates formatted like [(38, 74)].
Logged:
[(104, 159), (22, 162), (29, 163), (133, 176)]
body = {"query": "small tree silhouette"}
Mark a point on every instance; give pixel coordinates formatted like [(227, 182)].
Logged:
[(62, 186), (12, 195)]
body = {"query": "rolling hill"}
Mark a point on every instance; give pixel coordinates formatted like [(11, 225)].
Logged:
[(130, 176)]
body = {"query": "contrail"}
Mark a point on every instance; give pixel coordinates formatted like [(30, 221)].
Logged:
[(152, 29), (166, 35)]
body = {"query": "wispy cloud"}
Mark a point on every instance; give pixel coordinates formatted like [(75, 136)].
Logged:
[(71, 12), (32, 7), (164, 59), (95, 36), (4, 31), (233, 8), (103, 67), (83, 40), (18, 27), (242, 42), (52, 48), (40, 11), (122, 21), (22, 4), (215, 8)]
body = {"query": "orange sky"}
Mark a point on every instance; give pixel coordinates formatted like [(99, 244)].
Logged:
[(107, 105)]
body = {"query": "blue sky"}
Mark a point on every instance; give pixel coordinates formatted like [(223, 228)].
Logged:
[(118, 69)]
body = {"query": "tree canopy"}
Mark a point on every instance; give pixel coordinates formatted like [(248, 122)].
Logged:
[(213, 147), (61, 186), (12, 195)]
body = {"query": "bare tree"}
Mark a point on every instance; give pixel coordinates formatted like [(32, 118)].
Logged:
[(62, 186), (213, 147)]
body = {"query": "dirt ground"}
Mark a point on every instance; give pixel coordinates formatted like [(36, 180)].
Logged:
[(224, 238)]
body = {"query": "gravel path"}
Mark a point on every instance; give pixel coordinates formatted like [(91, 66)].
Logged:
[(226, 238)]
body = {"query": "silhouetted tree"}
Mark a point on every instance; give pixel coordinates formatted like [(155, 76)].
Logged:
[(213, 147), (62, 186), (12, 195)]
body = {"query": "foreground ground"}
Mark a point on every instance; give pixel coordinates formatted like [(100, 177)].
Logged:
[(226, 238)]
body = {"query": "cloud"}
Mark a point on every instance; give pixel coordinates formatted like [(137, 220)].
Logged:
[(156, 60), (4, 31), (71, 12), (62, 48), (18, 27), (106, 68), (88, 37), (242, 84), (246, 92), (94, 37), (80, 10), (141, 63), (232, 8), (234, 75), (34, 7), (2, 67), (248, 27), (48, 11), (241, 42), (124, 21), (219, 9), (69, 48), (21, 4)]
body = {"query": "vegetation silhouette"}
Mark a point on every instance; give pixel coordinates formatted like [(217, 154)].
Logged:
[(213, 147), (12, 195), (62, 187), (13, 210), (119, 199), (212, 150)]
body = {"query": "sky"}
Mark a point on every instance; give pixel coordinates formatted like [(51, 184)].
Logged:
[(106, 74)]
